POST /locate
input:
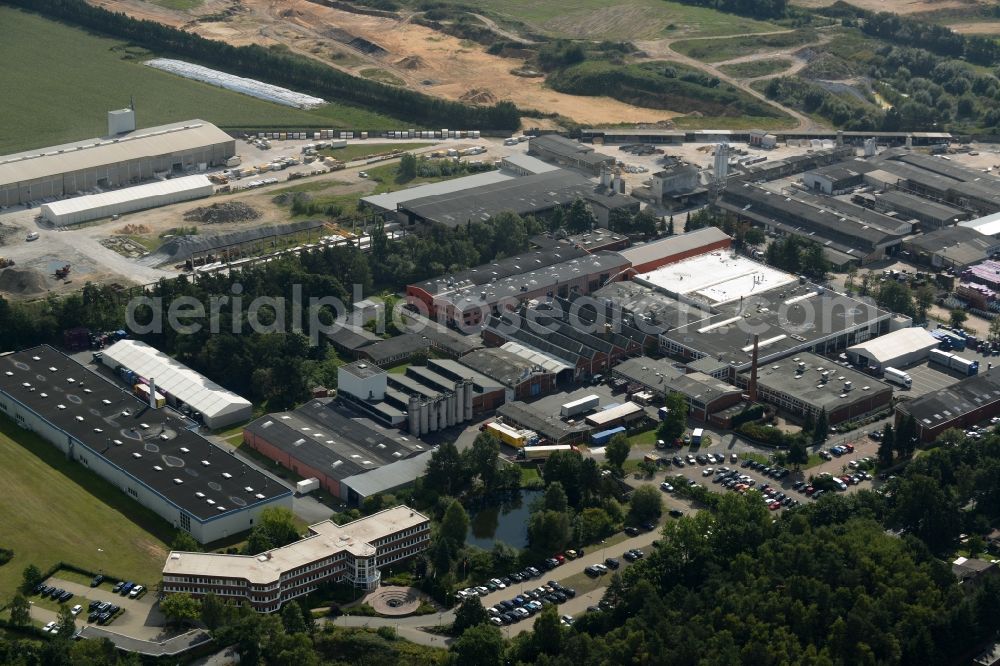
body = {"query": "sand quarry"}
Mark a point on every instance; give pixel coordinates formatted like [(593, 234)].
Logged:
[(425, 59)]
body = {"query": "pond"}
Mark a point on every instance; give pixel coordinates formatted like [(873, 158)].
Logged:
[(504, 519)]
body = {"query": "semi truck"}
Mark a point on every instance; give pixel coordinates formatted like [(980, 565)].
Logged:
[(898, 377), (542, 452), (585, 404), (512, 436), (696, 435), (954, 362)]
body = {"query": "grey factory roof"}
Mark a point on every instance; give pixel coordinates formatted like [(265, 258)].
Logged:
[(986, 190), (413, 386), (950, 403), (528, 163), (908, 203), (945, 167), (865, 216), (392, 200), (708, 365), (154, 447), (386, 350), (363, 369), (523, 196), (327, 436), (503, 366), (844, 170), (547, 361), (532, 281), (568, 148), (500, 269), (546, 425), (649, 372), (440, 336), (699, 387), (388, 477), (673, 245), (786, 318), (960, 245), (93, 153), (657, 309), (784, 377), (597, 239), (922, 177), (458, 370), (352, 337)]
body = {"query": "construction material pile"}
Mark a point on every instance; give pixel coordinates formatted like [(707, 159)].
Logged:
[(22, 281), (221, 213)]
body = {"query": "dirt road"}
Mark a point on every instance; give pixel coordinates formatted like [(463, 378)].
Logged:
[(662, 49)]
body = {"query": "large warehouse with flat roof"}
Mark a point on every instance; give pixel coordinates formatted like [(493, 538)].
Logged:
[(110, 162), (151, 455)]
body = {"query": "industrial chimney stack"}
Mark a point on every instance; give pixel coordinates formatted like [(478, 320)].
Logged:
[(152, 393), (752, 386)]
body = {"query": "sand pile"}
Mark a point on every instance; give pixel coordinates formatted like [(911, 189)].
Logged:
[(479, 96), (412, 62), (22, 281)]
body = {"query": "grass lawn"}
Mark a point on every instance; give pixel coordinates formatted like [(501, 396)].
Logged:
[(398, 369), (755, 68), (357, 151), (63, 94), (718, 50), (529, 474), (734, 123), (56, 510), (382, 76), (643, 439), (630, 19)]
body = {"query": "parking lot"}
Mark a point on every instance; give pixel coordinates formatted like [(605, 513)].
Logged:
[(137, 617)]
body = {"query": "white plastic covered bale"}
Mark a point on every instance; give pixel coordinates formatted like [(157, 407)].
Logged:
[(251, 87)]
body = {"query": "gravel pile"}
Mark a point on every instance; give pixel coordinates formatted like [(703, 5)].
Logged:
[(182, 248), (22, 281), (221, 213)]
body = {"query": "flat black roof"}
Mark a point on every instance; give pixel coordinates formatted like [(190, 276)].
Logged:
[(384, 350), (502, 268), (328, 436), (569, 149), (506, 368), (550, 427), (154, 447), (808, 386)]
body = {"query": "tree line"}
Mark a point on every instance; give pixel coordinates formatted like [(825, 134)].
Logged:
[(280, 68)]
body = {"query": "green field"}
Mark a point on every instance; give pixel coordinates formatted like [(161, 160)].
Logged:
[(382, 75), (755, 68), (55, 95), (719, 50), (183, 5), (631, 19), (55, 510)]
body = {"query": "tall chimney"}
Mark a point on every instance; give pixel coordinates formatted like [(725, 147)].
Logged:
[(752, 386), (152, 393)]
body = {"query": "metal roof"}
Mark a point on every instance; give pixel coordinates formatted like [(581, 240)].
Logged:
[(388, 477), (392, 200), (160, 188), (896, 344), (92, 153), (672, 245), (988, 225), (545, 361), (176, 378)]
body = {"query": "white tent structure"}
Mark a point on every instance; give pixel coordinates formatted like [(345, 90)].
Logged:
[(127, 200), (218, 407)]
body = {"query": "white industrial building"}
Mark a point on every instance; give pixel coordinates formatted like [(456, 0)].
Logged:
[(898, 349), (118, 202), (150, 455), (180, 384), (120, 159)]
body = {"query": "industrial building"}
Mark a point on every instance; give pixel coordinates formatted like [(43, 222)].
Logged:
[(213, 405), (390, 202), (127, 200), (487, 393), (520, 377), (931, 214), (847, 232), (676, 185), (588, 349), (353, 553), (898, 349), (986, 273), (809, 384), (789, 319), (548, 427), (118, 160), (591, 241), (712, 279), (960, 405), (420, 401), (468, 304), (536, 194), (941, 179), (326, 440), (705, 395), (566, 152), (649, 309), (152, 455), (837, 178), (951, 247), (650, 256), (988, 225)]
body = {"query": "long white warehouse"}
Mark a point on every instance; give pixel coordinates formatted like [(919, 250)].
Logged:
[(127, 200), (181, 385), (898, 349)]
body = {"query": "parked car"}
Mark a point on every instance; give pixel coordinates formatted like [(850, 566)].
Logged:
[(96, 580), (632, 531), (75, 610), (666, 487), (571, 554), (612, 563), (136, 591), (50, 628), (676, 513), (118, 587)]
